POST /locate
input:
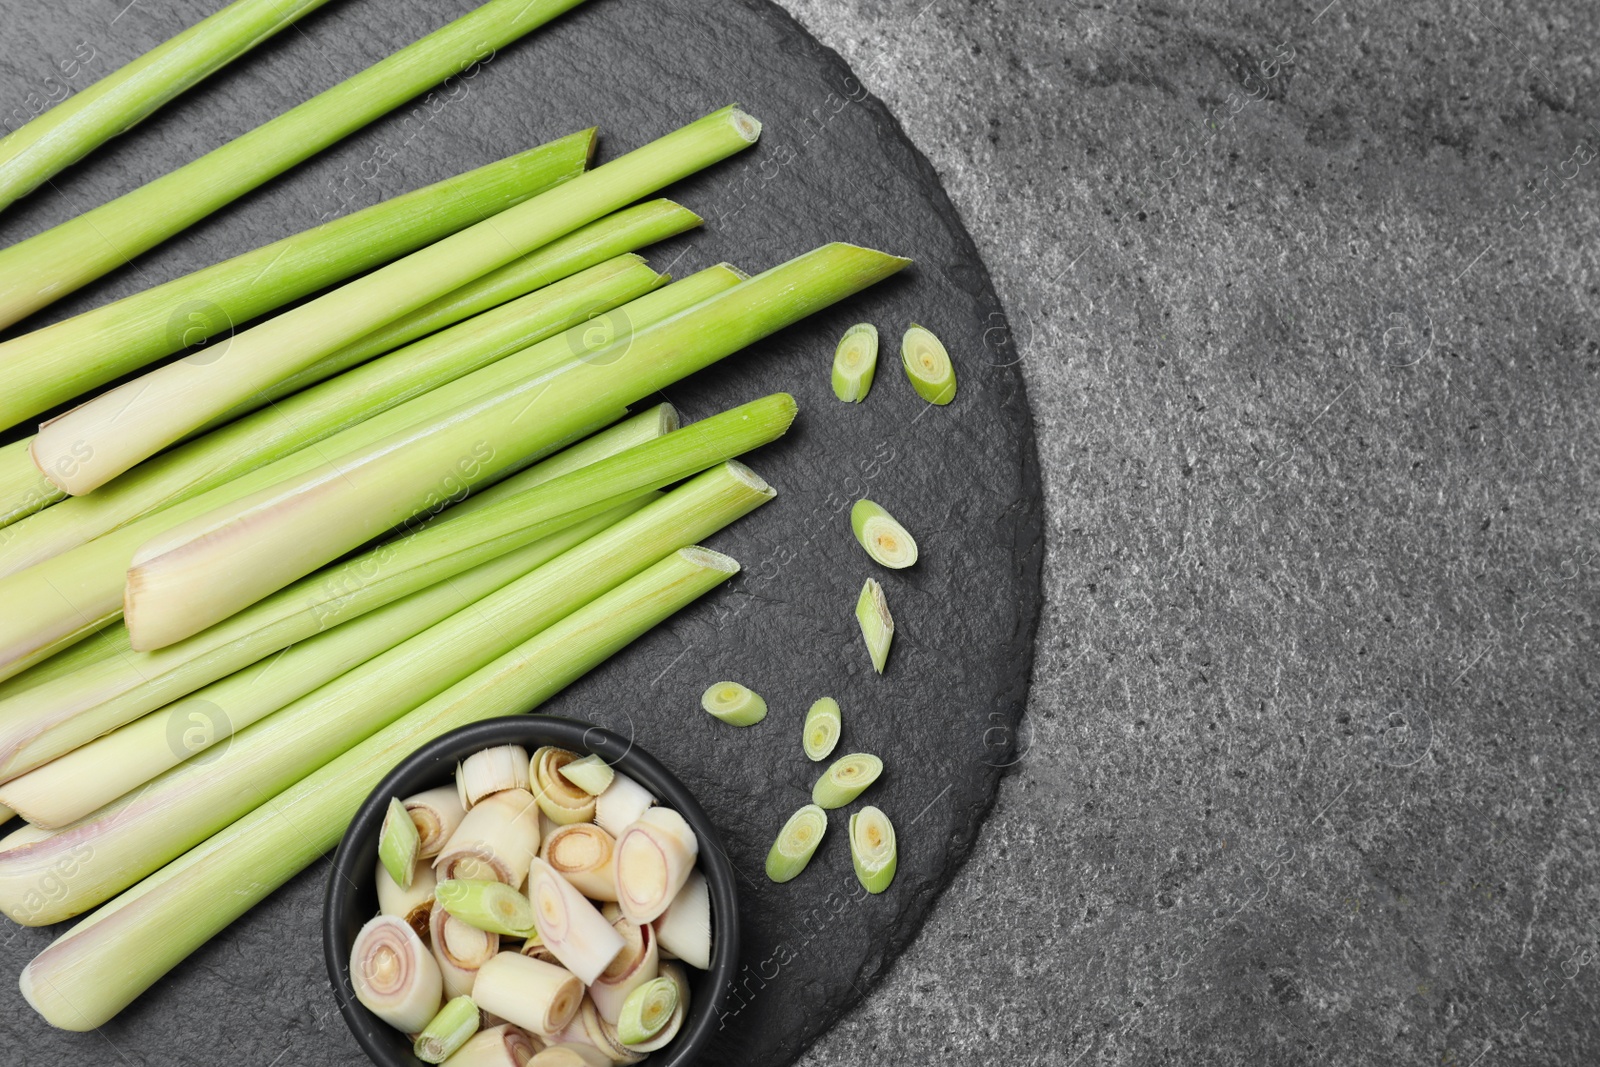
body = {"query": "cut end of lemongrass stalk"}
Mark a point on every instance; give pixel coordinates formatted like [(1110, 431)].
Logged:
[(563, 802), (495, 840), (873, 849), (394, 976), (748, 125), (590, 774), (667, 419), (750, 478), (498, 1046), (459, 949), (846, 779), (684, 929), (592, 1030), (654, 858), (734, 704), (823, 726), (413, 903), (490, 771), (435, 813), (709, 560), (453, 1027), (928, 366), (886, 541), (647, 1011), (620, 806), (537, 996), (493, 907), (569, 925), (398, 843), (877, 625), (738, 272), (679, 978), (582, 854), (796, 843), (855, 361)]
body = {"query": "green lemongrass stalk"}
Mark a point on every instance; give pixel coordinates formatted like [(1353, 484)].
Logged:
[(93, 443), (846, 779), (136, 834), (886, 541), (822, 729), (494, 907), (76, 594), (872, 849), (928, 366), (89, 974), (42, 148), (49, 266), (398, 842), (592, 774), (647, 1011), (855, 362), (243, 551), (59, 362), (877, 625), (453, 1027), (734, 704), (23, 490), (796, 843)]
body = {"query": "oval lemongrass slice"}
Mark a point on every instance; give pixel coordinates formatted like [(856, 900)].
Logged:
[(412, 903), (620, 806), (569, 925), (534, 995), (796, 843), (453, 1027), (855, 361), (398, 843), (823, 725), (928, 366), (493, 770), (734, 704), (588, 1028), (885, 540), (872, 848), (571, 1056), (680, 979), (654, 858), (684, 929), (488, 905), (499, 1046), (590, 774), (637, 963), (459, 949), (394, 976), (647, 1011), (436, 814), (564, 802), (846, 779), (877, 625), (495, 840), (581, 853)]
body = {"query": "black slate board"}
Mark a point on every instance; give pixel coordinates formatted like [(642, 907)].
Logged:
[(833, 165)]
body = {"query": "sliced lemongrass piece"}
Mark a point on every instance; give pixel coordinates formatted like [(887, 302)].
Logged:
[(558, 798), (823, 726), (928, 366), (846, 779), (654, 858), (569, 925), (877, 625), (734, 704), (453, 1027), (488, 905), (571, 1056), (582, 853), (620, 806), (498, 1046), (886, 541), (680, 980), (872, 848), (530, 993), (533, 946), (436, 813), (796, 843), (638, 962), (684, 929), (412, 903), (495, 840), (459, 948), (590, 774), (647, 1011), (398, 843), (588, 1028), (855, 361), (491, 771), (394, 976)]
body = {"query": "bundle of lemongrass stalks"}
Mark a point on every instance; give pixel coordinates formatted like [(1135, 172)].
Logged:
[(240, 589)]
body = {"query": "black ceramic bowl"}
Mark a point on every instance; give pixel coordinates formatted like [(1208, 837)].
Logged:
[(352, 896)]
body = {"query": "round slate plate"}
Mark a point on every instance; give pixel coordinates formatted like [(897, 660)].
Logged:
[(833, 165)]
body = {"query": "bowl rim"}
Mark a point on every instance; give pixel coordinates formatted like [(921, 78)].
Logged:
[(436, 760)]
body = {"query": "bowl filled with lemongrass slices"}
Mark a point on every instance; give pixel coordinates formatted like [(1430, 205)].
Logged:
[(531, 890)]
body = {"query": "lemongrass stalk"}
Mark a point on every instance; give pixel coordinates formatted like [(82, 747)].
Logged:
[(47, 267), (436, 813), (134, 421), (398, 842), (581, 853), (455, 1024), (620, 806), (490, 771), (537, 996), (928, 366), (413, 903), (855, 362), (592, 774), (884, 539), (654, 858), (638, 962), (680, 980), (647, 1011), (107, 642), (872, 848), (734, 704), (394, 976), (491, 906), (796, 843), (459, 948), (74, 595), (569, 925), (498, 1046), (42, 148), (822, 729), (570, 1056), (6, 814), (847, 778), (23, 490), (684, 929), (561, 801), (877, 625), (496, 839), (133, 836), (588, 1028)]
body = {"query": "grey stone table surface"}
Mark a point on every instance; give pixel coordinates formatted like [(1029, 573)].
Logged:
[(1306, 300)]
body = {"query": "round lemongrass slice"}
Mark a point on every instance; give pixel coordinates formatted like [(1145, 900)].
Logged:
[(455, 1024), (569, 925), (654, 858), (590, 774), (886, 541), (502, 1045), (571, 1056), (492, 771), (581, 853), (855, 362), (436, 814), (491, 906), (928, 365), (847, 779), (459, 949), (620, 806), (647, 1011), (636, 964), (675, 974), (823, 726), (564, 802), (398, 844), (412, 903), (394, 976), (873, 849), (734, 704), (590, 1029), (494, 841), (797, 842), (534, 995), (684, 929)]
